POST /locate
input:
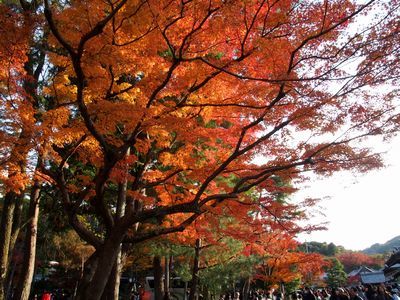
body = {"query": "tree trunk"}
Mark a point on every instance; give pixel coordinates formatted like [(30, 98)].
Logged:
[(87, 274), (16, 227), (11, 214), (246, 289), (94, 287), (10, 278), (185, 296), (111, 291), (158, 273), (103, 280), (5, 238), (167, 294), (112, 288), (195, 274), (28, 267)]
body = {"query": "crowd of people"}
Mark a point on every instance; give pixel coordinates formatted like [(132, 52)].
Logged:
[(361, 292)]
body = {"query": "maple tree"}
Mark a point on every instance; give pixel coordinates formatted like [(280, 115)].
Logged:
[(70, 251), (19, 73), (231, 246), (231, 235), (283, 263), (352, 260), (161, 111)]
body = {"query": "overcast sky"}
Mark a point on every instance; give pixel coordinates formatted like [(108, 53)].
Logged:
[(361, 210)]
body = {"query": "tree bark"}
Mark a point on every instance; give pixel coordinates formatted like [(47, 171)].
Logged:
[(195, 274), (167, 294), (5, 238), (16, 227), (112, 289), (87, 274), (107, 255), (28, 266), (10, 278), (246, 289), (17, 220), (158, 273)]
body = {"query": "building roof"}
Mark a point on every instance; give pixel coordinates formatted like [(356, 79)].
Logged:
[(394, 258), (392, 271), (362, 269), (373, 277)]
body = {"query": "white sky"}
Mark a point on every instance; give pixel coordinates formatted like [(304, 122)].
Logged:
[(361, 210)]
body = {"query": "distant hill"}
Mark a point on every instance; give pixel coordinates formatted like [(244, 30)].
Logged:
[(383, 248)]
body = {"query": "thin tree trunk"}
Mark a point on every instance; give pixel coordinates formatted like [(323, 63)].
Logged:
[(206, 294), (17, 220), (30, 86), (10, 219), (5, 238), (28, 267), (158, 273), (185, 296), (246, 289), (195, 274), (80, 277), (10, 278), (167, 294), (16, 227)]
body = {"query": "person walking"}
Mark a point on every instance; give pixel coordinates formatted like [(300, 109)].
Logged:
[(46, 296), (308, 294), (353, 292)]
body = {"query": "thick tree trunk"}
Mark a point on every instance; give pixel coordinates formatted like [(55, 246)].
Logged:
[(195, 274), (158, 274), (112, 288), (94, 287), (89, 268), (5, 238), (28, 267), (111, 291)]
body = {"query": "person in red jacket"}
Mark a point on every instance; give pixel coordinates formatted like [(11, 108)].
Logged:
[(46, 296)]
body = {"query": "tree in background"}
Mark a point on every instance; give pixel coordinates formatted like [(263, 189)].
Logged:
[(354, 259), (22, 64), (335, 274), (283, 263), (322, 248)]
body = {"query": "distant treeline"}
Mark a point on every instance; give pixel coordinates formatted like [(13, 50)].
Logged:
[(322, 248), (330, 249)]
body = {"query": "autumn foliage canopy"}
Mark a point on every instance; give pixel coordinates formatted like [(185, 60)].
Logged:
[(179, 110)]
